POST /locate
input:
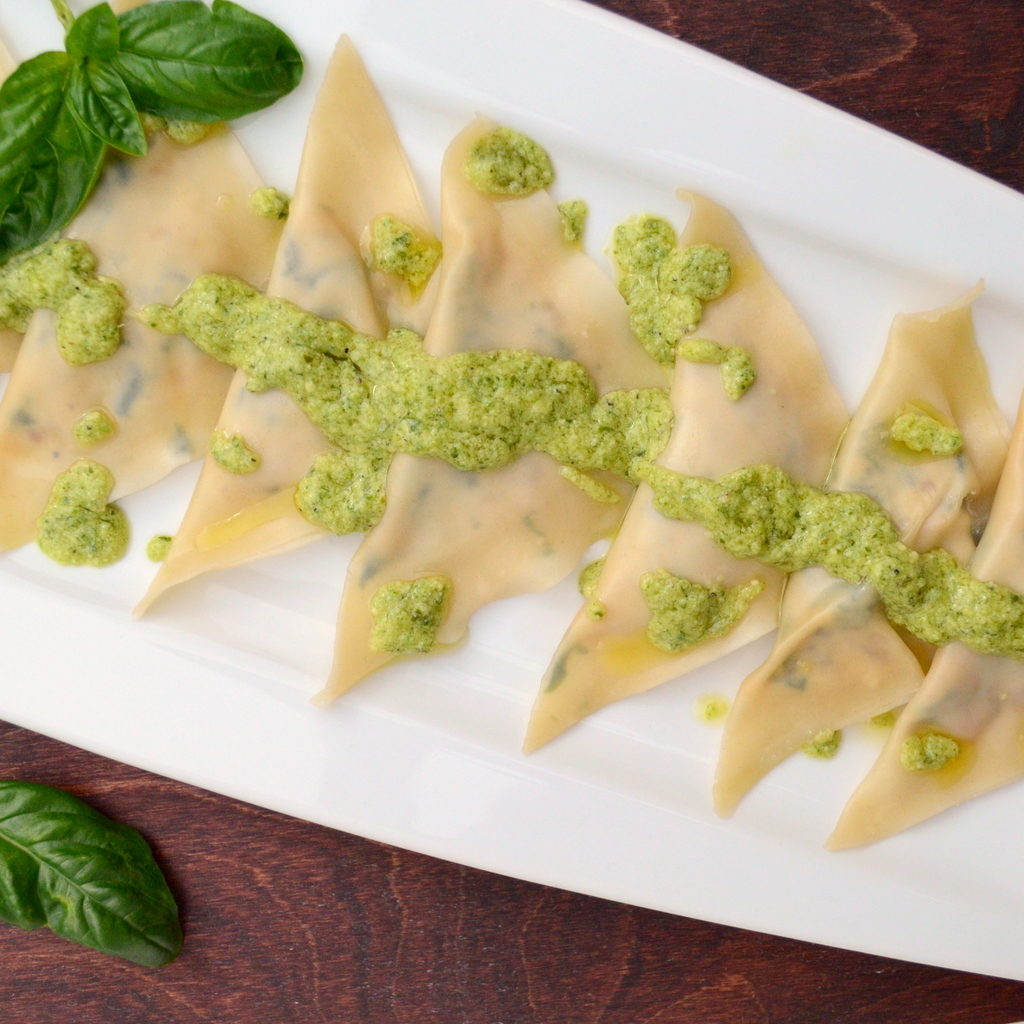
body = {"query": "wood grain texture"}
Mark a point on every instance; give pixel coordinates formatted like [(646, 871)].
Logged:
[(289, 922)]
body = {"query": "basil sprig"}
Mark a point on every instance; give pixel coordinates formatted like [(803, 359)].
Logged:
[(177, 59), (90, 879)]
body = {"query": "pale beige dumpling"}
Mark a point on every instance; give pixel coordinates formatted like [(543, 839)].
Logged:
[(353, 170), (154, 223), (792, 417), (962, 734), (510, 280), (836, 659)]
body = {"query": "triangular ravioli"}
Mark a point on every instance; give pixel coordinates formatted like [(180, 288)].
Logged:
[(353, 169), (975, 700), (510, 280), (836, 659), (792, 416), (154, 223)]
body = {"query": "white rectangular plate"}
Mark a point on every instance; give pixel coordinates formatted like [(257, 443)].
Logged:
[(855, 224)]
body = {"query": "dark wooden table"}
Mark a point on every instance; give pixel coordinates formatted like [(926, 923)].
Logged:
[(290, 922)]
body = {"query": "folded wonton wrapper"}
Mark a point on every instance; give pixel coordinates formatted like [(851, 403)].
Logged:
[(9, 340), (792, 417), (154, 223), (976, 699), (509, 280), (353, 170), (836, 659)]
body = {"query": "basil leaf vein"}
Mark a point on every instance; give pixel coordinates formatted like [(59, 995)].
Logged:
[(100, 101), (183, 60), (90, 879)]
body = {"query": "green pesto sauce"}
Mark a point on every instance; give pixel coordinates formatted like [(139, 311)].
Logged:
[(60, 275), (684, 613), (158, 546), (507, 163), (94, 427), (928, 752), (887, 719), (398, 248), (475, 410), (231, 452), (185, 133), (344, 491), (738, 372), (408, 613), (921, 432), (574, 219), (77, 526), (270, 202), (825, 745), (711, 707), (761, 513), (589, 576), (592, 488), (665, 287)]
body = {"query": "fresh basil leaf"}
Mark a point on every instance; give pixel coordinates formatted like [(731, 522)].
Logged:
[(94, 34), (185, 61), (100, 101), (48, 162), (90, 879), (52, 181)]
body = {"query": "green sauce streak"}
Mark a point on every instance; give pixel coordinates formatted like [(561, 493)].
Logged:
[(94, 427), (761, 513), (61, 276), (825, 745), (928, 753), (921, 432), (158, 546), (407, 615), (185, 133), (270, 202), (738, 372), (77, 526), (664, 286), (574, 219), (232, 453), (507, 163), (398, 248), (475, 410), (590, 487), (684, 614)]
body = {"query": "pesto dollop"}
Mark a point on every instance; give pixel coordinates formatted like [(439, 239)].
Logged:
[(761, 513), (665, 287), (158, 546), (928, 752), (505, 162), (407, 614), (60, 275), (77, 526), (344, 491), (589, 576), (711, 707), (574, 219), (230, 452), (738, 372), (270, 203), (94, 427), (185, 133), (824, 745), (684, 613), (475, 410), (922, 432), (398, 248)]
